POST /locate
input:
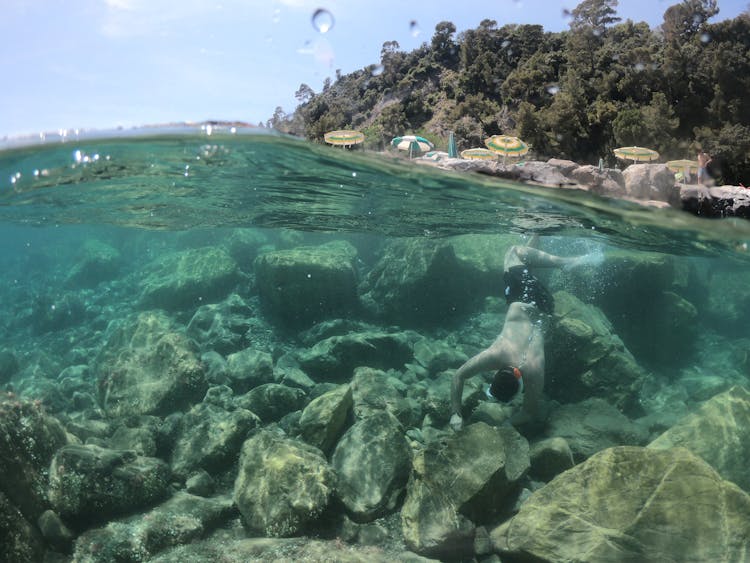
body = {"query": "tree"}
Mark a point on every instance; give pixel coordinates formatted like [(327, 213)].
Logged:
[(304, 94), (684, 20), (444, 49), (594, 14)]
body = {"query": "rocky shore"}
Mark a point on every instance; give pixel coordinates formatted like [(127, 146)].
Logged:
[(263, 397), (648, 184)]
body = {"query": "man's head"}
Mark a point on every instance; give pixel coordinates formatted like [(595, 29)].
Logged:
[(508, 382)]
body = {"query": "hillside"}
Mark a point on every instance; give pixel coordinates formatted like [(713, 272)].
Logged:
[(575, 94)]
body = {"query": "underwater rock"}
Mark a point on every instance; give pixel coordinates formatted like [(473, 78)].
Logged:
[(437, 355), (373, 462), (209, 438), (178, 521), (323, 420), (96, 262), (20, 540), (593, 425), (549, 458), (188, 279), (249, 368), (718, 432), (232, 550), (300, 286), (221, 326), (53, 312), (374, 391), (283, 485), (147, 367), (335, 358), (631, 504), (271, 401), (28, 440), (140, 439), (651, 182), (463, 482), (200, 484), (586, 359), (90, 484), (54, 531), (244, 245), (8, 365), (417, 282)]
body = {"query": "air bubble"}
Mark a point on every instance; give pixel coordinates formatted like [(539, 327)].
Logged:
[(322, 20), (414, 28)]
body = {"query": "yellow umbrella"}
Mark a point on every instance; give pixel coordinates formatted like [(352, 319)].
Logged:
[(344, 137), (685, 166), (636, 154), (506, 145), (478, 154)]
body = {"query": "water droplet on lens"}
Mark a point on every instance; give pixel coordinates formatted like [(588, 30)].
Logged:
[(553, 89), (639, 67), (322, 20), (504, 44), (276, 18), (414, 28), (376, 70), (566, 13), (705, 38)]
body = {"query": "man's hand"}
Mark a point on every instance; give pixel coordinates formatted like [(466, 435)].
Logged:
[(457, 423)]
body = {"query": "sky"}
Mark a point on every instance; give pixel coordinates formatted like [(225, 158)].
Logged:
[(100, 64)]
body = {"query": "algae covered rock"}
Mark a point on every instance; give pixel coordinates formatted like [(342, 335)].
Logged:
[(455, 485), (178, 521), (335, 358), (373, 462), (19, 538), (188, 279), (307, 284), (323, 420), (210, 438), (586, 359), (718, 432), (631, 504), (95, 263), (373, 391), (549, 458), (271, 401), (283, 485), (91, 484), (249, 368), (221, 326), (28, 440), (148, 367)]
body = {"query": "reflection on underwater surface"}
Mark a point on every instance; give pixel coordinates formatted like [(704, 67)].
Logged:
[(210, 334)]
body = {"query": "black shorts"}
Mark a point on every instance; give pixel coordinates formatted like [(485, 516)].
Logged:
[(521, 285)]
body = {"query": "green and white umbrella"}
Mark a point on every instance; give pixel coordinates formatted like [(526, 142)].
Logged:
[(478, 154), (507, 145), (412, 143), (344, 137), (636, 154)]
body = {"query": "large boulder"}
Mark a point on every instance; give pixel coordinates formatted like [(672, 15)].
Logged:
[(249, 368), (586, 359), (148, 367), (306, 284), (180, 520), (28, 440), (96, 262), (375, 391), (726, 416), (188, 279), (373, 462), (221, 326), (608, 182), (271, 401), (324, 419), (210, 438), (89, 484), (651, 182), (334, 359), (631, 504), (465, 481), (283, 485), (593, 425)]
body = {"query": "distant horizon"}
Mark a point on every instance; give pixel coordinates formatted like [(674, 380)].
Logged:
[(104, 65)]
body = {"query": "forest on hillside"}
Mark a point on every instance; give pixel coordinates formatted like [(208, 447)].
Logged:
[(575, 94)]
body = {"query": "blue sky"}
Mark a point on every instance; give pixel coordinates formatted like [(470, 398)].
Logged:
[(106, 63)]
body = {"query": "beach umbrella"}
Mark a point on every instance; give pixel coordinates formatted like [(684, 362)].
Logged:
[(685, 166), (478, 154), (636, 154), (452, 148), (412, 143), (506, 145), (436, 155), (344, 137)]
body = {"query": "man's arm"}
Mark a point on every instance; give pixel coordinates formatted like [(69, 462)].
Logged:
[(538, 259), (483, 361)]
